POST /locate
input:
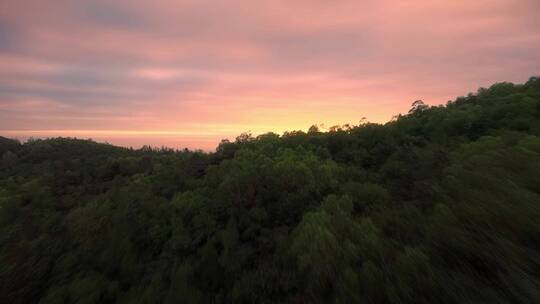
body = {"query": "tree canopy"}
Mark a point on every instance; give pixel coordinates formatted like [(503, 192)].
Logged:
[(441, 205)]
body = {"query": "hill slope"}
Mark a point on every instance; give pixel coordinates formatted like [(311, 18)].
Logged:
[(441, 205)]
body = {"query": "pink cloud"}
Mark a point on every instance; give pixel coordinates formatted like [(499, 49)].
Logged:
[(161, 70)]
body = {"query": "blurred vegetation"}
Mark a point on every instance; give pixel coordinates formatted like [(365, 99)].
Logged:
[(441, 205)]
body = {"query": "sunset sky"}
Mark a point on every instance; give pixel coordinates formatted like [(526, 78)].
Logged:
[(189, 73)]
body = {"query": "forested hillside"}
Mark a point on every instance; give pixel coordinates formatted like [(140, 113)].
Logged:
[(441, 205)]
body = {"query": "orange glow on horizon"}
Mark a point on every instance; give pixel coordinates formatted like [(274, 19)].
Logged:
[(190, 73)]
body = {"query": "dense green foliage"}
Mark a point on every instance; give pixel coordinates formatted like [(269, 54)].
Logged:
[(441, 205)]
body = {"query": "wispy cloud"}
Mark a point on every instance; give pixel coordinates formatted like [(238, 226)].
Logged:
[(217, 68)]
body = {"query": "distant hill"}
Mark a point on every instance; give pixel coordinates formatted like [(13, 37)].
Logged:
[(7, 144)]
